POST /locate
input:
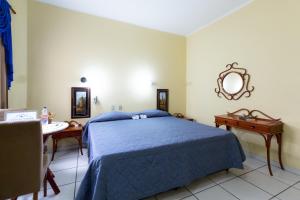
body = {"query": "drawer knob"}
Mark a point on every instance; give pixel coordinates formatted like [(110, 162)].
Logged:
[(252, 126)]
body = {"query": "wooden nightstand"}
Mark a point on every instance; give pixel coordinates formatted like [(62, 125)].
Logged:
[(181, 116), (73, 131)]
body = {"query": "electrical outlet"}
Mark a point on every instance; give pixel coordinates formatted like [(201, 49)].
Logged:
[(96, 100), (120, 107), (113, 108)]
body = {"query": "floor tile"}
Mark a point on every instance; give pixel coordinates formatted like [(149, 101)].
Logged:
[(29, 196), (64, 177), (265, 182), (77, 187), (249, 165), (62, 164), (200, 184), (290, 194), (81, 172), (239, 172), (174, 194), (190, 198), (254, 163), (221, 177), (297, 186), (67, 144), (215, 193), (83, 160), (65, 154), (244, 190), (66, 193), (282, 175)]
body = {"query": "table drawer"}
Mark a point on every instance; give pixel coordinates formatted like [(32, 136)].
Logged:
[(254, 127)]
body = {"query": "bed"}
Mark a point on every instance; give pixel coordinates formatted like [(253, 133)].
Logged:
[(134, 159)]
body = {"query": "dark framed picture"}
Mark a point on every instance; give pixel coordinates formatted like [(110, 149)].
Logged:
[(162, 99), (81, 102)]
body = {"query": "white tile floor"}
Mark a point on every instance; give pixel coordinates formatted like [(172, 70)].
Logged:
[(252, 183)]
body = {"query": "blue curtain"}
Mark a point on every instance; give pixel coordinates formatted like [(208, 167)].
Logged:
[(5, 34)]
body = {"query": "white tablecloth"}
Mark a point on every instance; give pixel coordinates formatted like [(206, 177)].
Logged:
[(54, 127)]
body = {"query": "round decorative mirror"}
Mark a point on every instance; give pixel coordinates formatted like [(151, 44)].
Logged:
[(232, 83)]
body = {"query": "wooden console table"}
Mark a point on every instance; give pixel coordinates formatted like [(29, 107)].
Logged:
[(267, 128)]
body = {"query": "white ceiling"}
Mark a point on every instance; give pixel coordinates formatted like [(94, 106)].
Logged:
[(181, 17)]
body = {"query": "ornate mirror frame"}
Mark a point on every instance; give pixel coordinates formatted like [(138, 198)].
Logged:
[(245, 89)]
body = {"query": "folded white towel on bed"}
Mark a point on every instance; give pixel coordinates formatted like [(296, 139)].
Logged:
[(135, 117), (143, 116)]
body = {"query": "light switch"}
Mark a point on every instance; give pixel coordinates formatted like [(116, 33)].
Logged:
[(120, 107)]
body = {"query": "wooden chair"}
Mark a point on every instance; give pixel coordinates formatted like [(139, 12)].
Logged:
[(23, 165)]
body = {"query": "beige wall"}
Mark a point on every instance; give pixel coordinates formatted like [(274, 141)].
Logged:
[(18, 93), (65, 45), (119, 60), (264, 38)]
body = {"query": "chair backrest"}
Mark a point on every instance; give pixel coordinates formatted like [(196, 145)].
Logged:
[(20, 157)]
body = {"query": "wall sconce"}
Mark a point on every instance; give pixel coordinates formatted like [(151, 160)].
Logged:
[(83, 79)]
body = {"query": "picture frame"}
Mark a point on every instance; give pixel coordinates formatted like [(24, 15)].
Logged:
[(162, 99), (80, 102)]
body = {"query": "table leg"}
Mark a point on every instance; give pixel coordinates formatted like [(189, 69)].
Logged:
[(51, 173), (268, 139), (80, 145), (53, 148), (228, 128), (217, 125), (45, 185), (35, 196), (279, 142), (51, 181)]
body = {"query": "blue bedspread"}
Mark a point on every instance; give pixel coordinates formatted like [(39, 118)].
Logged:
[(133, 159)]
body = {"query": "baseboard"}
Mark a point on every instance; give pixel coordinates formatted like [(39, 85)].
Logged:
[(274, 163)]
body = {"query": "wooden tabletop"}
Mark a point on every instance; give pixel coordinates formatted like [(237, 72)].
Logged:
[(260, 121)]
